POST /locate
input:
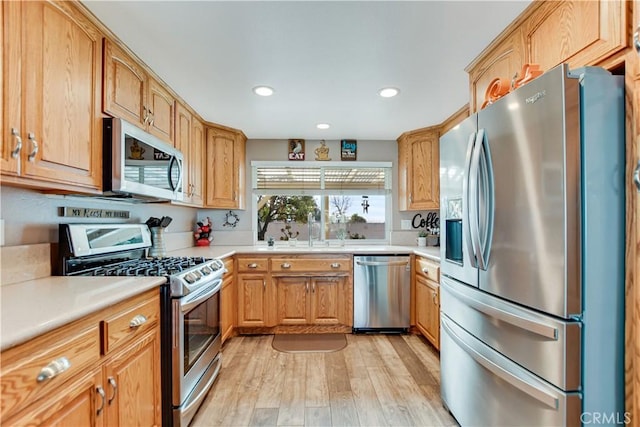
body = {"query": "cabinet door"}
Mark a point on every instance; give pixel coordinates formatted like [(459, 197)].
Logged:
[(61, 68), (327, 301), (576, 32), (428, 309), (227, 307), (225, 169), (132, 384), (503, 61), (160, 107), (252, 300), (197, 161), (10, 88), (293, 300), (183, 143), (76, 404), (125, 86), (424, 184), (404, 172)]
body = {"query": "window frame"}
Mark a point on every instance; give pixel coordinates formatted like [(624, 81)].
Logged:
[(386, 191)]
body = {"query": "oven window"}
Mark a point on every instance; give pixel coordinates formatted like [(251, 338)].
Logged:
[(201, 327)]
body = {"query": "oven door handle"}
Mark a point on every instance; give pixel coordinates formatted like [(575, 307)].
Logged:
[(192, 300)]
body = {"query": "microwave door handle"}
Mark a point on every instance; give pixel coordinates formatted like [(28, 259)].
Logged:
[(467, 199), (174, 160)]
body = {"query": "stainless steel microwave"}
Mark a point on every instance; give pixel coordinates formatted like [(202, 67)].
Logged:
[(137, 165)]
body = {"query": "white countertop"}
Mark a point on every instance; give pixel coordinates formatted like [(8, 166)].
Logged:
[(432, 252), (31, 308)]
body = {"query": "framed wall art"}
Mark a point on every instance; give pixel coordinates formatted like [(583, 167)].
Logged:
[(348, 149)]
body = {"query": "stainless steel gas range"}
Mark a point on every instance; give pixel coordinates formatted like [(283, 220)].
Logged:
[(190, 319)]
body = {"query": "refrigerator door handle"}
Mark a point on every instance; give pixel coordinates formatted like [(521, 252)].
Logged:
[(485, 231), (474, 225), (530, 325), (521, 384), (465, 194)]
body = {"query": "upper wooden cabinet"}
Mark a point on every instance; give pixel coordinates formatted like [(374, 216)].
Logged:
[(190, 141), (419, 169), (51, 128), (225, 165), (131, 94), (548, 33)]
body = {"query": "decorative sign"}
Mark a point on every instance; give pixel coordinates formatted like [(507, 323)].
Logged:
[(431, 221), (348, 149), (296, 149), (322, 152), (92, 213), (160, 155)]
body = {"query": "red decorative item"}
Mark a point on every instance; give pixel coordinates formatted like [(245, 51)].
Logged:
[(203, 233)]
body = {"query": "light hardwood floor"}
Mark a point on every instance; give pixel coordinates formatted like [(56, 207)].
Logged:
[(377, 380)]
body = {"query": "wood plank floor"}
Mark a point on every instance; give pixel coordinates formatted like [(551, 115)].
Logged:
[(377, 380)]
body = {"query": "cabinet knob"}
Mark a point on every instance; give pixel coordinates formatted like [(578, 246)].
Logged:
[(435, 295), (285, 265), (636, 39), (425, 271), (252, 265), (264, 284), (56, 367), (18, 147), (335, 265), (137, 320), (636, 176), (34, 144)]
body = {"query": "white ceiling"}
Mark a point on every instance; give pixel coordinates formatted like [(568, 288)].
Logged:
[(325, 59)]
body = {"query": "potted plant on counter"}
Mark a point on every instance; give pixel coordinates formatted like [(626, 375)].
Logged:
[(422, 238)]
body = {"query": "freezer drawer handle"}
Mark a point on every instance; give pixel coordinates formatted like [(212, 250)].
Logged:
[(519, 383), (515, 320), (381, 263)]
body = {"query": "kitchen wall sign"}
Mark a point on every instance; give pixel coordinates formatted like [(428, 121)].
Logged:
[(322, 152), (348, 149), (296, 149), (92, 213)]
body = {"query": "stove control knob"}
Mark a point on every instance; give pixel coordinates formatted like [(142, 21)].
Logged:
[(205, 270), (197, 274), (190, 278)]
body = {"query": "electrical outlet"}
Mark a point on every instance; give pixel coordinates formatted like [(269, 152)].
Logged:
[(1, 232)]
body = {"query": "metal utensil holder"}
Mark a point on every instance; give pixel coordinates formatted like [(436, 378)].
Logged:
[(158, 249)]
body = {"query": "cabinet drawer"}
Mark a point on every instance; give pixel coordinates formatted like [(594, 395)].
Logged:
[(429, 269), (29, 373), (251, 265), (129, 322), (325, 265)]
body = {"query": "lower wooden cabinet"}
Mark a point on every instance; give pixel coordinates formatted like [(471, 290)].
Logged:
[(228, 307), (427, 299), (70, 377), (253, 300), (308, 300)]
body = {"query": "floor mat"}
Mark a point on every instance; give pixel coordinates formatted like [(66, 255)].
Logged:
[(309, 343)]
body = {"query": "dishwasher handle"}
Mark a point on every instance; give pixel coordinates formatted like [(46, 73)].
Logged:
[(382, 263)]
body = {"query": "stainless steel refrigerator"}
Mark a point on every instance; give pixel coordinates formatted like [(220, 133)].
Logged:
[(532, 255)]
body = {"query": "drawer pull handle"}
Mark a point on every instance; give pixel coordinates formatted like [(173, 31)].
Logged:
[(137, 320), (100, 391), (335, 265), (285, 265), (252, 265), (434, 298), (425, 271), (56, 367), (114, 386)]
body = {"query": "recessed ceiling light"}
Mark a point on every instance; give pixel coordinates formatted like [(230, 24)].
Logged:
[(323, 125), (388, 92), (263, 90)]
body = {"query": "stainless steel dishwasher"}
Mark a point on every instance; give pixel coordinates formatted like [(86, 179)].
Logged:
[(381, 293)]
